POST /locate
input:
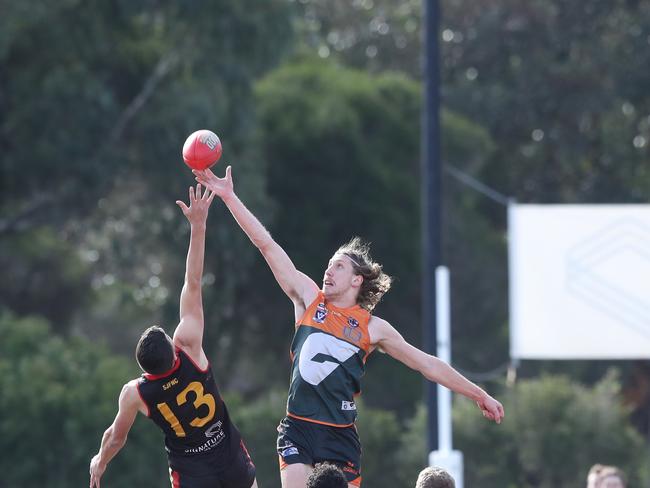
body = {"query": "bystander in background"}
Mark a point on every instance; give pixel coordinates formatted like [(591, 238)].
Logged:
[(435, 477)]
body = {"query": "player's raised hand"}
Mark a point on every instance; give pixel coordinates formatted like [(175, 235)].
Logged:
[(197, 212), (223, 187)]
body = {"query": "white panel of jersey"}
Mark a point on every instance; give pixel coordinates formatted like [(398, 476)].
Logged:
[(314, 371)]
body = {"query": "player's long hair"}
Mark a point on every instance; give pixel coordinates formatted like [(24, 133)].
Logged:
[(375, 281)]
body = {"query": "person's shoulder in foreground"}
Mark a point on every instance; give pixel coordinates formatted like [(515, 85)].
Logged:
[(435, 477)]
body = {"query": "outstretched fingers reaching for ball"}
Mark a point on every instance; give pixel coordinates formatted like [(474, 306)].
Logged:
[(197, 212), (223, 187)]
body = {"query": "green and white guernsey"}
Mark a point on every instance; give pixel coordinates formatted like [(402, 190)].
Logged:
[(329, 352)]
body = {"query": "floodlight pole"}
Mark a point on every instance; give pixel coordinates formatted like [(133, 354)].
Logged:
[(431, 199)]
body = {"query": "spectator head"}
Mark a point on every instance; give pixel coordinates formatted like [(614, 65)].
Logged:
[(435, 477), (592, 476), (326, 475), (610, 477)]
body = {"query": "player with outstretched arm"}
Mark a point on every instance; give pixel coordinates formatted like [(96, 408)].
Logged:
[(335, 332), (178, 391)]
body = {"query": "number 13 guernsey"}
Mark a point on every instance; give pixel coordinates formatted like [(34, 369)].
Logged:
[(329, 352)]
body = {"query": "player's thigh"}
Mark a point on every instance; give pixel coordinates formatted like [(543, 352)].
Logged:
[(295, 475)]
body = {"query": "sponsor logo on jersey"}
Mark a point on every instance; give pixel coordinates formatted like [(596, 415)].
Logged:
[(290, 451), (352, 322), (214, 439), (345, 405), (320, 314), (214, 429)]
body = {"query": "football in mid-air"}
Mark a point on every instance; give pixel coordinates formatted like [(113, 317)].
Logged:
[(202, 149)]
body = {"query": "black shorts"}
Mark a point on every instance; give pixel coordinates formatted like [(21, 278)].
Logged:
[(240, 473), (301, 442)]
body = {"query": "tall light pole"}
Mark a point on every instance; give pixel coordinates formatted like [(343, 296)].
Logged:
[(431, 198)]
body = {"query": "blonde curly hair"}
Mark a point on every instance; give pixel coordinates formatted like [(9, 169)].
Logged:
[(375, 282)]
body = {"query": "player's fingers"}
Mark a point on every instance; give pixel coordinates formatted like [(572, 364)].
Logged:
[(496, 416), (198, 191), (192, 197), (229, 173), (211, 197), (183, 206)]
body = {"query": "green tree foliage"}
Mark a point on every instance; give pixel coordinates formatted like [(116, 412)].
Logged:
[(29, 262), (97, 99), (557, 86), (554, 430), (380, 433), (257, 421), (58, 396), (376, 35)]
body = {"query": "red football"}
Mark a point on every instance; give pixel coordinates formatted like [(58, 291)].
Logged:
[(201, 149)]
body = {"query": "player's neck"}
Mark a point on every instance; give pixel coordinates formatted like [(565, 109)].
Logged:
[(344, 300)]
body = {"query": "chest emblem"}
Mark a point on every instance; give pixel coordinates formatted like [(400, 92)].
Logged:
[(352, 333), (321, 314)]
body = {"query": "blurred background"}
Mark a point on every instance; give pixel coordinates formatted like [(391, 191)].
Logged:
[(318, 106)]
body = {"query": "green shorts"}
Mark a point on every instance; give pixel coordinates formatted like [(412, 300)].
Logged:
[(302, 442)]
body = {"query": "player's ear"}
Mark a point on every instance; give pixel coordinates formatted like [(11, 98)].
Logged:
[(357, 280)]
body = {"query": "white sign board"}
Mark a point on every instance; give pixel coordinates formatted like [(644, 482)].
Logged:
[(579, 281)]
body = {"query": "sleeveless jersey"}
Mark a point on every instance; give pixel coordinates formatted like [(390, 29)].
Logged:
[(185, 403), (329, 351)]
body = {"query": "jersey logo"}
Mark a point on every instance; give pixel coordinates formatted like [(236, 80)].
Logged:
[(353, 334), (289, 451), (215, 429), (321, 314), (352, 322), (348, 405), (321, 354)]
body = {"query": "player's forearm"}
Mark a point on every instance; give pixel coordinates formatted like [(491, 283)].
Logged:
[(195, 256), (110, 446), (251, 226), (440, 372)]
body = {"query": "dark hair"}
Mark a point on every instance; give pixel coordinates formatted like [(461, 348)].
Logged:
[(326, 475), (434, 477), (375, 281), (154, 353)]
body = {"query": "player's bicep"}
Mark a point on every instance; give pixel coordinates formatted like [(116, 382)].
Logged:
[(393, 344), (308, 288), (191, 301), (189, 332)]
